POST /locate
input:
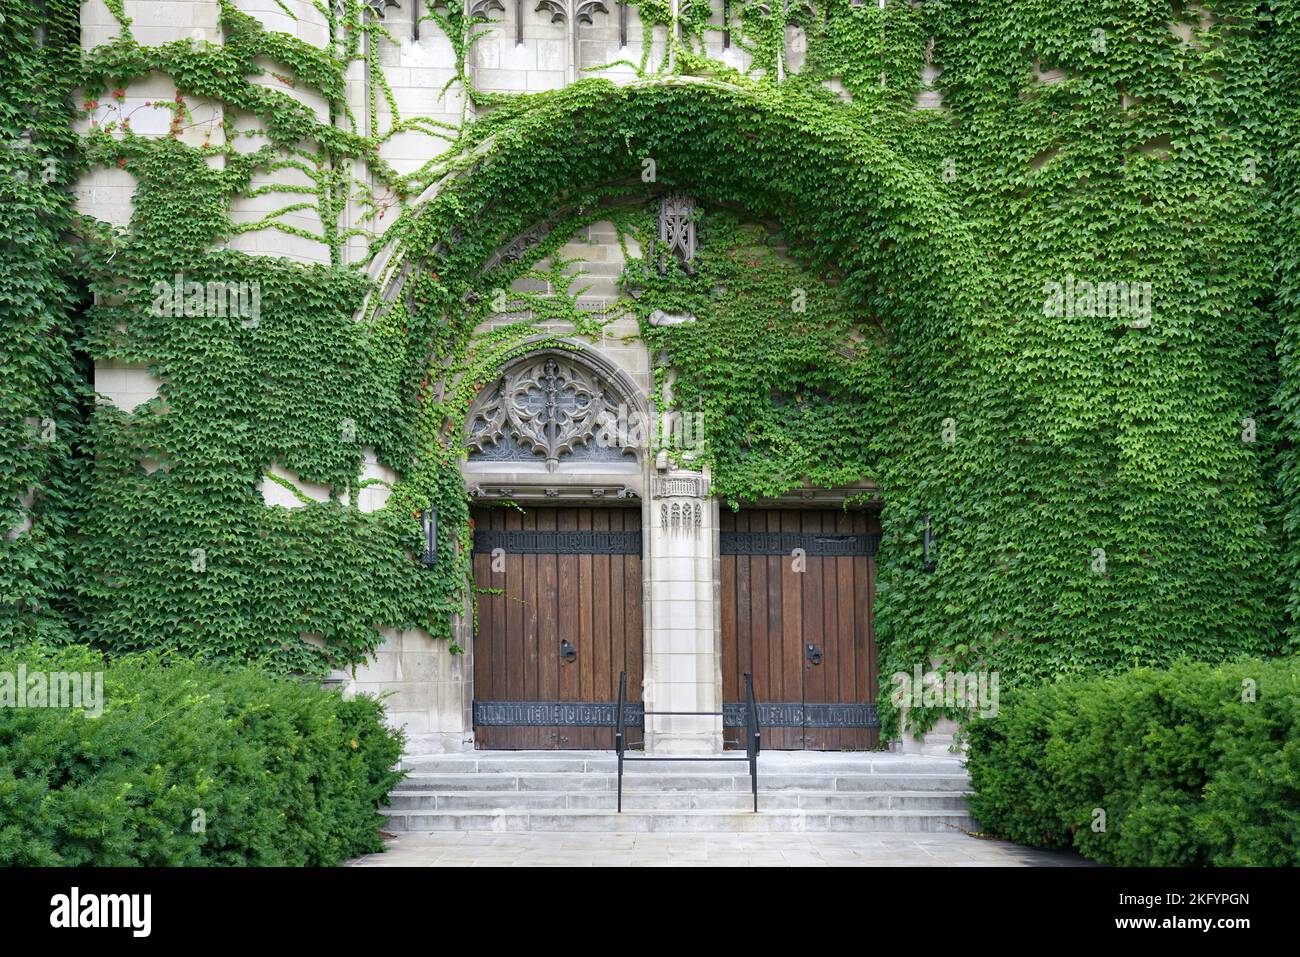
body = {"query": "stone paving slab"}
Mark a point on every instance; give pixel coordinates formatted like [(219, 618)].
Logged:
[(569, 849)]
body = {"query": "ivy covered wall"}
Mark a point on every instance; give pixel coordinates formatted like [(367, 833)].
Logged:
[(1103, 470), (1283, 213), (42, 385), (1105, 501)]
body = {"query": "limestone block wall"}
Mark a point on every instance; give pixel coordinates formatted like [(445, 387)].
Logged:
[(125, 384), (298, 18), (153, 22), (426, 689), (274, 220), (376, 484), (937, 742), (419, 74), (108, 194), (599, 263), (290, 491)]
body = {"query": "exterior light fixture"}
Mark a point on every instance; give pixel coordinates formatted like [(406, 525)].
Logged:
[(429, 522), (928, 561)]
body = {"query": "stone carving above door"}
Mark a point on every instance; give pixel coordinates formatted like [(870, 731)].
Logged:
[(677, 230), (547, 408)]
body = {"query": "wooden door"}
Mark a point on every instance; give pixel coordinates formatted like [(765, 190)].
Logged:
[(561, 619), (796, 589)]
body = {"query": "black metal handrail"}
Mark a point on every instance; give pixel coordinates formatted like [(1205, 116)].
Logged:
[(619, 732), (753, 736)]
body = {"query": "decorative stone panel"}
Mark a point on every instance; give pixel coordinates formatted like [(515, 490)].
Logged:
[(693, 486), (547, 408)]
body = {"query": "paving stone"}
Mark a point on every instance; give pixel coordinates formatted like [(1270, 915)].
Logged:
[(618, 849)]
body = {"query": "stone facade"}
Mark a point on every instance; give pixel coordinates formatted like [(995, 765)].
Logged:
[(429, 690)]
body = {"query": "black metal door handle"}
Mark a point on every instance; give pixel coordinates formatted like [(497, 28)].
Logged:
[(813, 654), (567, 651)]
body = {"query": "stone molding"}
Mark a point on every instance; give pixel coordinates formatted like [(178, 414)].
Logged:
[(681, 486)]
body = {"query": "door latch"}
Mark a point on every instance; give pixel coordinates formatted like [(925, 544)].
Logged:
[(567, 651), (813, 654)]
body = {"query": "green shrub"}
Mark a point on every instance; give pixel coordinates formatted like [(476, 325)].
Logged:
[(1187, 768), (191, 764)]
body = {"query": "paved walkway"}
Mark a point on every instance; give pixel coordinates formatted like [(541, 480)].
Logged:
[(570, 849)]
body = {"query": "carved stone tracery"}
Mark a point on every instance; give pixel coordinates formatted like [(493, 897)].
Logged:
[(587, 11), (681, 518), (584, 11), (518, 247), (485, 8), (546, 407), (677, 230)]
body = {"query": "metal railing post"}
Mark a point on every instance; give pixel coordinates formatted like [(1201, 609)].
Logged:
[(753, 736), (618, 734)]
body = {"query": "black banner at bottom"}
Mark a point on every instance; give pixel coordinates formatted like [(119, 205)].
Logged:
[(391, 907)]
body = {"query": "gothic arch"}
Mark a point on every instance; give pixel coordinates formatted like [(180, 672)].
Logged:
[(884, 223), (842, 196)]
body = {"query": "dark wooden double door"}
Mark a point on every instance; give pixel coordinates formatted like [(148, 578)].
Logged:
[(560, 620), (801, 624)]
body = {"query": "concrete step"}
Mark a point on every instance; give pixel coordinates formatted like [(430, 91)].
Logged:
[(403, 801), (604, 762), (576, 791), (648, 781), (694, 820), (503, 761)]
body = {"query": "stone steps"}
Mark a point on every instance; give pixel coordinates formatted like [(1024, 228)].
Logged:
[(576, 791), (697, 820), (596, 781), (568, 762), (408, 801)]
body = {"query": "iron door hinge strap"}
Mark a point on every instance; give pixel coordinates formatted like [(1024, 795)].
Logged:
[(785, 543)]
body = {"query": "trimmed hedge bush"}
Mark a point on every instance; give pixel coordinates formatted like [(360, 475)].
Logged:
[(191, 764), (1194, 765)]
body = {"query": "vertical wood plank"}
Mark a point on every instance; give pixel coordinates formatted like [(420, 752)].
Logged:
[(515, 631), (633, 619), (847, 684), (744, 633), (792, 631), (500, 635), (548, 642), (814, 625), (531, 737), (567, 613), (601, 649), (610, 580), (777, 567), (826, 671), (583, 737)]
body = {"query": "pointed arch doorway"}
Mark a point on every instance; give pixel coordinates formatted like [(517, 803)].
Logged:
[(557, 551)]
